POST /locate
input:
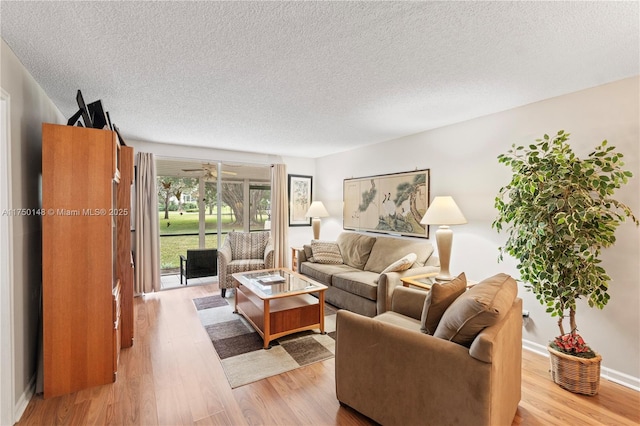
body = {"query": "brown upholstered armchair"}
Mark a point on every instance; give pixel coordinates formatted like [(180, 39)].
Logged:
[(390, 371), (242, 252)]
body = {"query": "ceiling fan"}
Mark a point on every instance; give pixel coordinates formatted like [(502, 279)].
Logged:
[(209, 171)]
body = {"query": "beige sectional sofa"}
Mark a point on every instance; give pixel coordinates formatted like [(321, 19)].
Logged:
[(465, 372), (357, 270)]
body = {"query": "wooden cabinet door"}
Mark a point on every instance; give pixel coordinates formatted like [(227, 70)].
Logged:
[(125, 267), (78, 168)]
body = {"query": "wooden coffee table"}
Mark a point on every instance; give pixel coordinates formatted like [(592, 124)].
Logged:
[(277, 302)]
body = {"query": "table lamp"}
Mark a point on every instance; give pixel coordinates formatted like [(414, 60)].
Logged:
[(316, 211), (444, 211)]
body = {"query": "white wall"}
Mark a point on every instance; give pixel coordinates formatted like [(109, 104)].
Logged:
[(30, 107), (462, 159)]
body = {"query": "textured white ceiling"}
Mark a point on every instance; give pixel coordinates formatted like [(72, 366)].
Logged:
[(313, 78), (230, 171)]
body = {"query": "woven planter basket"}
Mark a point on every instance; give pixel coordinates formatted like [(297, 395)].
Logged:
[(575, 374)]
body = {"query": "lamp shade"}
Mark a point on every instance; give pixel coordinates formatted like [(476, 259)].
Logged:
[(316, 209), (443, 211)]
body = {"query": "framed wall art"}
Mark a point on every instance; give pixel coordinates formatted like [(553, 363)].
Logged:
[(299, 199), (391, 204)]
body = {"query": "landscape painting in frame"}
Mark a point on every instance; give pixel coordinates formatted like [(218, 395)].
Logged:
[(299, 200), (392, 204)]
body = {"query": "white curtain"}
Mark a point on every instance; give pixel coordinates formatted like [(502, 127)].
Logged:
[(279, 215), (147, 231)]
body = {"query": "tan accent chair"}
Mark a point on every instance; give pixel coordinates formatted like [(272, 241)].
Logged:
[(243, 252), (388, 370)]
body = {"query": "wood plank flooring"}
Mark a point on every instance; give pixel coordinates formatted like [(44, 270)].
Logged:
[(172, 376)]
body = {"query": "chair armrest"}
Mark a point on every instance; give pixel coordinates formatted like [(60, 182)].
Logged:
[(395, 375), (268, 256), (388, 281), (302, 256), (224, 258), (224, 253), (408, 302)]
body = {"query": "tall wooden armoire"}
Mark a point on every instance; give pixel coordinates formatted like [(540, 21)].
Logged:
[(85, 287)]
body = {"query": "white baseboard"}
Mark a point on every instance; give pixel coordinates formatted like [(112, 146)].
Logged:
[(24, 399), (535, 347), (620, 378), (605, 373)]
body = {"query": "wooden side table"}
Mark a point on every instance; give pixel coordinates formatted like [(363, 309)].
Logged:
[(425, 281)]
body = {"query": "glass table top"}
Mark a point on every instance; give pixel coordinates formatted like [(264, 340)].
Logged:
[(277, 282)]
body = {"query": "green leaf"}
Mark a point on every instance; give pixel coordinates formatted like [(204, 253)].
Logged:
[(558, 213)]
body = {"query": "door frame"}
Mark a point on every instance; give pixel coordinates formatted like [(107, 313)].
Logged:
[(7, 364)]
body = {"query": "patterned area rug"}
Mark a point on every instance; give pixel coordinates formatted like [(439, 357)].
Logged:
[(239, 346)]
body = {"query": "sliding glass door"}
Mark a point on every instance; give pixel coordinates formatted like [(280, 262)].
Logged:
[(199, 203)]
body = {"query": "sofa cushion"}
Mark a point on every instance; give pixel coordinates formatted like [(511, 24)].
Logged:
[(357, 282), (438, 300), (486, 344), (400, 320), (355, 248), (481, 306), (388, 249), (323, 273), (248, 245), (326, 252)]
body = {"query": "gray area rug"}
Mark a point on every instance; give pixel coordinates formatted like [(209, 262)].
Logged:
[(239, 346)]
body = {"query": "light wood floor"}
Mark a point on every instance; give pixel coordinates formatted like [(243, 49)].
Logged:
[(172, 376)]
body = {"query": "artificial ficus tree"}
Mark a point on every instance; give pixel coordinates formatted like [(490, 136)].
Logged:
[(558, 213)]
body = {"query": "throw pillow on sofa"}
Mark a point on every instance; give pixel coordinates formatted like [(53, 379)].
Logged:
[(481, 306), (355, 248), (386, 248), (402, 264), (326, 252), (439, 298)]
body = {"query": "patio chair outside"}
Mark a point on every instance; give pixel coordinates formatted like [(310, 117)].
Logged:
[(198, 263)]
